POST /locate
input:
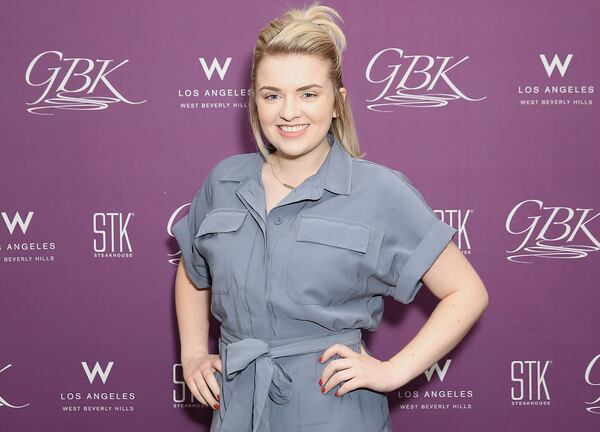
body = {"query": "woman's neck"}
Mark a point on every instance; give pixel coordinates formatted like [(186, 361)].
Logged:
[(295, 169)]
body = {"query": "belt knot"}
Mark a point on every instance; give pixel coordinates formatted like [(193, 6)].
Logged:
[(251, 361)]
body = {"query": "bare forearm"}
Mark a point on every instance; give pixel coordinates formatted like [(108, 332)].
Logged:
[(448, 324), (193, 312)]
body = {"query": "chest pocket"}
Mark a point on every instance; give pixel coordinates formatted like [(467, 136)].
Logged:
[(326, 262), (217, 240)]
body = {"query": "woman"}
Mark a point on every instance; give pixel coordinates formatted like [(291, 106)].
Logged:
[(298, 243)]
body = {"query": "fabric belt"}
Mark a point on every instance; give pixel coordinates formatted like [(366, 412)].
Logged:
[(250, 360)]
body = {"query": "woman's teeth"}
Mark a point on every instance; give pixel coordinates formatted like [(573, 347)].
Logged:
[(293, 129)]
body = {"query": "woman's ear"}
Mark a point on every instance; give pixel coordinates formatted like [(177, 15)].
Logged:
[(342, 90)]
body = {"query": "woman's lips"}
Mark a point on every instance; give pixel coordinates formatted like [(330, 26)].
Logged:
[(294, 133)]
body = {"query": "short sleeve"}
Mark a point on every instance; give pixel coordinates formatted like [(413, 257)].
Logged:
[(185, 231), (413, 239)]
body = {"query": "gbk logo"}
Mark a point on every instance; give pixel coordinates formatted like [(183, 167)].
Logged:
[(562, 66), (426, 73), (435, 369), (170, 224), (3, 401), (549, 231), (111, 229), (11, 224), (215, 65), (91, 374), (595, 408), (72, 83), (529, 380)]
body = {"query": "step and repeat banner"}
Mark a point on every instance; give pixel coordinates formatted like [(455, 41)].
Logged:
[(114, 112)]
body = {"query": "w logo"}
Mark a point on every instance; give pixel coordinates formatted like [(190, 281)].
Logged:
[(556, 63), (435, 369), (91, 375), (17, 220), (215, 65)]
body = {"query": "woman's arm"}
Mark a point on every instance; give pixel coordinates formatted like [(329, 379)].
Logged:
[(463, 297), (193, 313)]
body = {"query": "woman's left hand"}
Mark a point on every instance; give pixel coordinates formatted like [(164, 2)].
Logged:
[(357, 370)]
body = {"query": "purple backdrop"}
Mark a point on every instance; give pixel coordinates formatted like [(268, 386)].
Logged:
[(114, 112)]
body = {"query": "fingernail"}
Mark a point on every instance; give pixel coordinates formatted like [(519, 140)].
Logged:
[(320, 382), (218, 397), (336, 393), (216, 406), (321, 359), (322, 389)]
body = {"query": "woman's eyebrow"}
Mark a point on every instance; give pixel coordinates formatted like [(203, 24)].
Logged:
[(306, 87)]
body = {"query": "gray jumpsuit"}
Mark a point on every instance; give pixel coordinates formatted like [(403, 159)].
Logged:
[(311, 273)]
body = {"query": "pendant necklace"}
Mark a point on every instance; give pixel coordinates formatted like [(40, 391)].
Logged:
[(285, 184)]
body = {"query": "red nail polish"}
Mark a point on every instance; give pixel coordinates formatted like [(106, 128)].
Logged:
[(321, 359), (216, 406), (218, 397), (322, 389), (336, 393), (320, 382)]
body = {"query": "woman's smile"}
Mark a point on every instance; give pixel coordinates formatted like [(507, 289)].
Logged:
[(292, 131)]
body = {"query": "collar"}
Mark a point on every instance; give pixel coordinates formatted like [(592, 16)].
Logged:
[(334, 174)]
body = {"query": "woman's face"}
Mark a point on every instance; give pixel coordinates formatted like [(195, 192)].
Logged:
[(295, 90)]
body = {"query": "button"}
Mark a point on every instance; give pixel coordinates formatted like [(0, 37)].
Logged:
[(278, 220)]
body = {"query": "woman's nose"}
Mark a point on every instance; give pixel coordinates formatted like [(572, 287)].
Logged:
[(289, 109)]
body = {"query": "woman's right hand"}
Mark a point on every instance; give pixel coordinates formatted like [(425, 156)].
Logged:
[(199, 375)]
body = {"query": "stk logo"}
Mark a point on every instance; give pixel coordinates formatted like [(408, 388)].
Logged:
[(556, 63), (529, 379), (111, 229), (215, 65), (91, 375), (71, 83)]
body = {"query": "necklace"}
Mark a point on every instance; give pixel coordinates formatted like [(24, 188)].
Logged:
[(285, 184)]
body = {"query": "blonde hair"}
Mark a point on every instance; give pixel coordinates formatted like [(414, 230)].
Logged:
[(313, 31)]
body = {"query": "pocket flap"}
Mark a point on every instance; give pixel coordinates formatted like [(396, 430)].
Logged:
[(222, 220), (334, 232)]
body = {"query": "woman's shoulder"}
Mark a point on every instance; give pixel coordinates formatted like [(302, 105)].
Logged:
[(233, 165), (389, 184), (377, 174)]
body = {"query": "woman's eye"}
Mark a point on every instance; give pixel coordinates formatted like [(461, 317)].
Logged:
[(272, 96)]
